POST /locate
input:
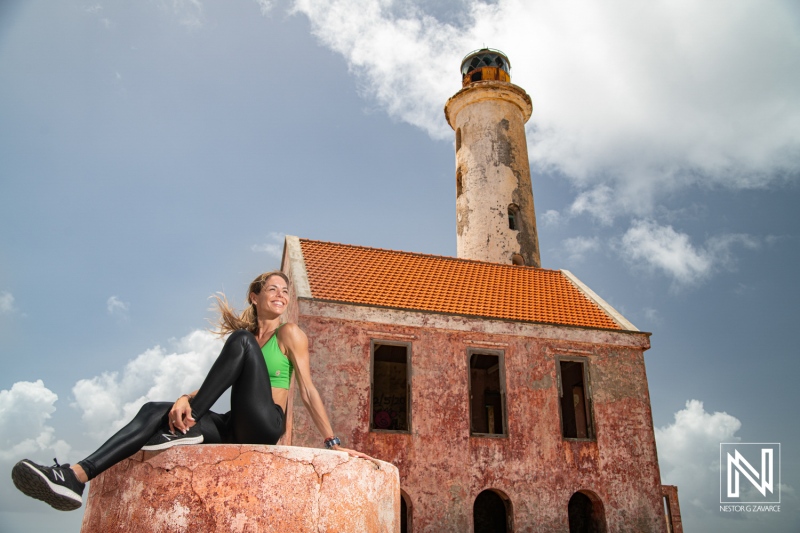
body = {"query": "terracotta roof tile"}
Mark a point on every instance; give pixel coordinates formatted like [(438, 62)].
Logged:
[(403, 280)]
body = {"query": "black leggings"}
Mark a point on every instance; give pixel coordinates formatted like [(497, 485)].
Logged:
[(254, 417)]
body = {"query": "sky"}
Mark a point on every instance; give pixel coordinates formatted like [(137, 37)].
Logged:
[(154, 153)]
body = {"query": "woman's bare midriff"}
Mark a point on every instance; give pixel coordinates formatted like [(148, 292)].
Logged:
[(279, 396)]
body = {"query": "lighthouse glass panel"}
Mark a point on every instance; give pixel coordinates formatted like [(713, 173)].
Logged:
[(390, 390), (484, 59)]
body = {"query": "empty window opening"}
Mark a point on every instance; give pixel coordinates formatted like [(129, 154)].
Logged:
[(513, 217), (586, 514), (490, 513), (668, 514), (405, 513), (458, 140), (487, 394), (476, 76), (517, 259), (459, 183), (576, 419), (390, 387)]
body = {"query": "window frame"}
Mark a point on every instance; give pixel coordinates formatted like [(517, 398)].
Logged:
[(501, 363), (372, 346), (588, 397), (513, 217)]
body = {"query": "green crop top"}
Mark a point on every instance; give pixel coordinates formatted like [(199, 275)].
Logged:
[(279, 367)]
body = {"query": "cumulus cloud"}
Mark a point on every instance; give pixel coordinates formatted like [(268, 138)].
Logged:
[(7, 302), (273, 247), (110, 400), (551, 217), (657, 247), (631, 102), (266, 5), (578, 247), (24, 432), (688, 453), (598, 202), (688, 456), (117, 307)]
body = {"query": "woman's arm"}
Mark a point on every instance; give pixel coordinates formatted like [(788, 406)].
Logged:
[(180, 416), (296, 343)]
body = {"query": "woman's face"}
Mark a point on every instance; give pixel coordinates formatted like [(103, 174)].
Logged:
[(273, 298)]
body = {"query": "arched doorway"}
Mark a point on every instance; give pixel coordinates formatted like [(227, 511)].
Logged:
[(405, 513), (491, 512), (586, 513)]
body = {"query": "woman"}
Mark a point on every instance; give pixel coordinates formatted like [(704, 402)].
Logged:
[(257, 363)]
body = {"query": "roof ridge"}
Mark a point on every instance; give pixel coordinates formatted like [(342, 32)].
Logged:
[(433, 256)]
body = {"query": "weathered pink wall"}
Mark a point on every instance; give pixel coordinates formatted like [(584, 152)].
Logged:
[(244, 488), (442, 468)]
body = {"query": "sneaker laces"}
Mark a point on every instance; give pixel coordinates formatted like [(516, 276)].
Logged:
[(56, 465)]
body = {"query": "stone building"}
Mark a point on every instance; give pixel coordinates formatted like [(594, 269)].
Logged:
[(510, 397)]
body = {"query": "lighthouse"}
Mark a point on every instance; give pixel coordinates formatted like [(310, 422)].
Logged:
[(495, 217)]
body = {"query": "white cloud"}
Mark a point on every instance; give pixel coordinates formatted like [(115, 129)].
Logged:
[(110, 400), (631, 101), (688, 453), (7, 302), (117, 307), (551, 217), (578, 247), (662, 248), (266, 5), (688, 456), (598, 201), (24, 412), (274, 248)]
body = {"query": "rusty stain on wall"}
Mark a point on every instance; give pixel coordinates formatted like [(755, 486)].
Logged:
[(443, 468)]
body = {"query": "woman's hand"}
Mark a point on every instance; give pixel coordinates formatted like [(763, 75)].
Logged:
[(360, 455), (180, 416)]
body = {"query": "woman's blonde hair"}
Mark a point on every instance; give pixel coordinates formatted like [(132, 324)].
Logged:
[(230, 320)]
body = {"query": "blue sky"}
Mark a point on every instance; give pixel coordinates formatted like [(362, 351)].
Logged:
[(153, 153)]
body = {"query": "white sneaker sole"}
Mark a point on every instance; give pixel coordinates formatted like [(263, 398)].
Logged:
[(35, 484), (170, 444)]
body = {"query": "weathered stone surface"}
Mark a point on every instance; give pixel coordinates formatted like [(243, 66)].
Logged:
[(493, 174), (244, 488), (443, 468)]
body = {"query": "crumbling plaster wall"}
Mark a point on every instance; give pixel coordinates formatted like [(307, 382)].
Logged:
[(442, 468)]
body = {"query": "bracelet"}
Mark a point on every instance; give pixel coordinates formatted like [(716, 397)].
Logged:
[(330, 442), (189, 398)]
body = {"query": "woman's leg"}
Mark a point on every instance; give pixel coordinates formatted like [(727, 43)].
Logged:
[(128, 440), (254, 417)]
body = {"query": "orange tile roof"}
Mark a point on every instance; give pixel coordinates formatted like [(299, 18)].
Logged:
[(403, 280)]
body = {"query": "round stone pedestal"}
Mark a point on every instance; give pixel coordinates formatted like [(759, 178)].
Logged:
[(244, 488)]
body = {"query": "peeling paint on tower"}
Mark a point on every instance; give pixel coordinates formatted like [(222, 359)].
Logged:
[(493, 174)]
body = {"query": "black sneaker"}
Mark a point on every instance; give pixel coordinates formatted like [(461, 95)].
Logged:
[(163, 439), (55, 485)]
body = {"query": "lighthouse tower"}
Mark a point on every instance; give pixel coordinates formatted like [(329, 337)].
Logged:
[(495, 218)]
